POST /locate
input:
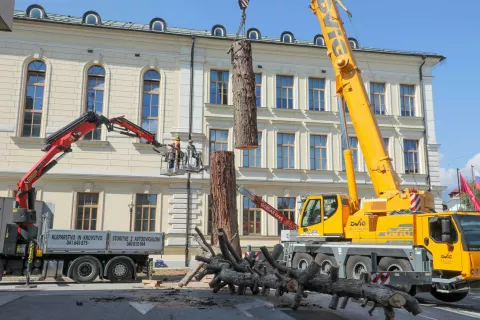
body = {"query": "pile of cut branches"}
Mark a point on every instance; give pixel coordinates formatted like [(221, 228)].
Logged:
[(240, 274)]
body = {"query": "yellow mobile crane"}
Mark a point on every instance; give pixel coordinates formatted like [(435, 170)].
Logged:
[(398, 233)]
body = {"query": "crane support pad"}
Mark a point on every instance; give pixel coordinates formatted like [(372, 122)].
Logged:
[(86, 117)]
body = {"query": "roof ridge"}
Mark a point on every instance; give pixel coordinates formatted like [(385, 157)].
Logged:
[(116, 24)]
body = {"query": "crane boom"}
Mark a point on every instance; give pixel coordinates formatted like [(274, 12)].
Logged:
[(277, 214), (61, 142), (349, 85)]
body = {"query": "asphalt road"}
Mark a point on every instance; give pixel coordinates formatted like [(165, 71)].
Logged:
[(131, 301)]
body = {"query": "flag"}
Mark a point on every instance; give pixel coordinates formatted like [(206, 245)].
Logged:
[(466, 188)]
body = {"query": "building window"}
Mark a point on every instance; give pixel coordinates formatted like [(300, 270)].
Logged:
[(316, 94), (318, 152), (377, 97), (218, 31), (95, 93), (33, 107), (91, 19), (407, 100), (157, 25), (287, 37), (36, 13), (287, 206), (410, 151), (87, 209), (252, 218), (285, 151), (353, 142), (253, 158), (218, 87), (285, 92), (218, 140), (145, 211), (253, 34), (258, 89), (151, 97)]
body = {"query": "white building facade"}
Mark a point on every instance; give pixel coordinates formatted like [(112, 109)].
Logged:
[(56, 67)]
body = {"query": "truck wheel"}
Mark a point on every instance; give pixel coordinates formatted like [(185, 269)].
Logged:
[(120, 270), (356, 265), (392, 265), (448, 297), (85, 270), (301, 260), (325, 262)]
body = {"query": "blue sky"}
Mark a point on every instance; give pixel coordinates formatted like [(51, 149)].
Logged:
[(428, 25)]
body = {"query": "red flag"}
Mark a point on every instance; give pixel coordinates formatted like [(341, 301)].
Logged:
[(466, 188)]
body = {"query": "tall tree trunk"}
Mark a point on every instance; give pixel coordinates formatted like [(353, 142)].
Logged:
[(244, 97), (223, 190)]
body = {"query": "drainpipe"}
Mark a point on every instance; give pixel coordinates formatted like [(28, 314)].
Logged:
[(422, 91), (190, 125)]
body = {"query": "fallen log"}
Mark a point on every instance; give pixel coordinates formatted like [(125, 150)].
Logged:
[(261, 276)]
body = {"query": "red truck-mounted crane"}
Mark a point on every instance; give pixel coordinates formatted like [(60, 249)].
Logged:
[(61, 142)]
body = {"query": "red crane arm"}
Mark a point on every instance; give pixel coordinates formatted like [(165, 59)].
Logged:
[(132, 130), (62, 140), (277, 214)]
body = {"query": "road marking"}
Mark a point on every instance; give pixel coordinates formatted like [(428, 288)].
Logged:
[(462, 312), (427, 317), (143, 308), (7, 299)]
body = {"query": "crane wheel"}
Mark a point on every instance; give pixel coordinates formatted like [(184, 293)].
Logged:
[(301, 260), (85, 270), (356, 265), (397, 264), (120, 270), (325, 262)]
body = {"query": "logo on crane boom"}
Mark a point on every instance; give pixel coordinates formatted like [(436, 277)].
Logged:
[(338, 44)]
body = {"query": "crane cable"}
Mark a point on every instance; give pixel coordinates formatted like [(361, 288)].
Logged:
[(243, 4)]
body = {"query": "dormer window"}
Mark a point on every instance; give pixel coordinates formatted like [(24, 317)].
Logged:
[(319, 40), (287, 37), (36, 12), (253, 34), (218, 31), (158, 24), (353, 43), (91, 17)]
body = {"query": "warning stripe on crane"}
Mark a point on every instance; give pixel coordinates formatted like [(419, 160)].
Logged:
[(414, 202), (243, 4), (380, 278)]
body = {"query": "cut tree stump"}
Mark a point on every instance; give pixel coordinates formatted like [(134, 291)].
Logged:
[(223, 188), (244, 98)]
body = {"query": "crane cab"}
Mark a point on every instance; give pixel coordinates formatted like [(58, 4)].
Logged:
[(324, 216)]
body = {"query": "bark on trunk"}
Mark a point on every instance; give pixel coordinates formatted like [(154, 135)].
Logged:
[(224, 192), (244, 97)]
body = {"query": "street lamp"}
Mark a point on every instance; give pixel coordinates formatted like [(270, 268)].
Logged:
[(130, 207)]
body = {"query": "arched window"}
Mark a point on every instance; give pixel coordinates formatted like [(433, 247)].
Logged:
[(91, 17), (158, 24), (218, 31), (319, 40), (36, 11), (287, 37), (253, 34), (95, 94), (33, 106), (353, 43), (151, 98)]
